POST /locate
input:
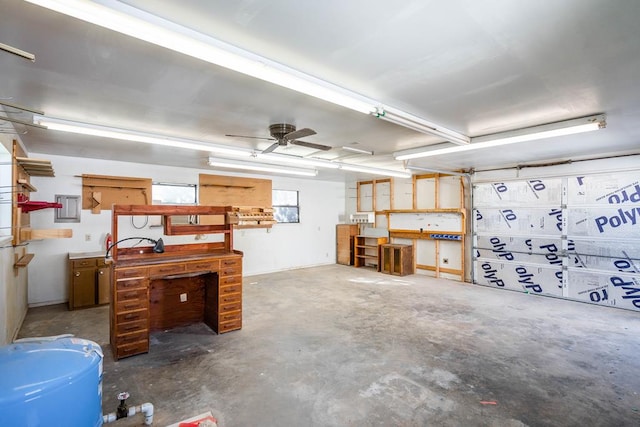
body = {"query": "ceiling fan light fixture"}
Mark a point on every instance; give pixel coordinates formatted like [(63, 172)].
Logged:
[(260, 167), (551, 130)]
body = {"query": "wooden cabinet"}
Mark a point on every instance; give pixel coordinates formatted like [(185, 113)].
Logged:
[(345, 236), (89, 281), (396, 259), (367, 251)]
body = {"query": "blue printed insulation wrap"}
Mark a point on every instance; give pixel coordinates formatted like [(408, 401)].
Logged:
[(51, 381)]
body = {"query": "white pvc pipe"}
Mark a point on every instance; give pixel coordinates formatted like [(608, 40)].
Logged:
[(145, 408)]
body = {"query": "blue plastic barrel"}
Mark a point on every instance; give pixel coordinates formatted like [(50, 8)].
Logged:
[(54, 381)]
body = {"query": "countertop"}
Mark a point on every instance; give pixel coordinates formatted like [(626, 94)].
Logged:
[(78, 255)]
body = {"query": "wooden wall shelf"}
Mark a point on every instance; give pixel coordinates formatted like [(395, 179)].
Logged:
[(23, 261), (36, 167)]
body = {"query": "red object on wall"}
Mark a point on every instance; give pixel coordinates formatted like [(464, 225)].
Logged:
[(28, 205)]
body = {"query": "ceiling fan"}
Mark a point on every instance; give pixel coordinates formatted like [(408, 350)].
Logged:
[(283, 134)]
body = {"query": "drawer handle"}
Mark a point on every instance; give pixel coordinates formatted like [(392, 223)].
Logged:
[(77, 274), (130, 306), (131, 328), (101, 272), (228, 290), (130, 295), (131, 316)]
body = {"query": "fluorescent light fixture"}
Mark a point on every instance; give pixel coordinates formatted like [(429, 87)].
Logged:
[(374, 171), (420, 125), (142, 25), (131, 135), (432, 170), (19, 52), (357, 150), (136, 23), (231, 164), (285, 158), (551, 130)]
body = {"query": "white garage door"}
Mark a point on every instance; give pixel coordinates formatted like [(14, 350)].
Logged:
[(574, 237)]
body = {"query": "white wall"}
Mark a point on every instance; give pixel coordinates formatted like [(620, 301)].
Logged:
[(286, 246)]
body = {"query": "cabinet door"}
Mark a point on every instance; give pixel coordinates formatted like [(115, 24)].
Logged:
[(386, 259), (84, 287), (104, 280)]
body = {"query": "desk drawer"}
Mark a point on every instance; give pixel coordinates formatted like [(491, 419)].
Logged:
[(133, 338), (203, 266), (166, 270), (131, 349), (230, 289), (231, 262), (90, 262), (229, 298), (228, 317), (131, 316), (125, 273), (130, 327), (131, 295), (231, 306), (230, 280), (229, 326), (132, 305), (231, 271), (128, 284)]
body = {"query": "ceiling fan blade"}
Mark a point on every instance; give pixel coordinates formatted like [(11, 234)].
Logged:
[(271, 147), (311, 145), (300, 133), (252, 137)]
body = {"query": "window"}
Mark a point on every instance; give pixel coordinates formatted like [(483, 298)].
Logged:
[(173, 194), (285, 206)]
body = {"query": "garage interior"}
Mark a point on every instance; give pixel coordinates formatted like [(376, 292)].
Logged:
[(424, 213)]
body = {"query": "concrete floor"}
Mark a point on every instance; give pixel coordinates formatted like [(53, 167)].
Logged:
[(340, 346)]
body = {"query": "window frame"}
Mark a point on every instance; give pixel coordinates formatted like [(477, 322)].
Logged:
[(296, 206)]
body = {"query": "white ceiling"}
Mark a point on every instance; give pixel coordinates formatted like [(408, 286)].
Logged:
[(477, 67)]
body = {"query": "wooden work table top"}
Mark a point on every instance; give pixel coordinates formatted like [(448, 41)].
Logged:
[(153, 259)]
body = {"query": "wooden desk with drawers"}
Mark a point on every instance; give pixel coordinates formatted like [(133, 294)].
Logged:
[(186, 284)]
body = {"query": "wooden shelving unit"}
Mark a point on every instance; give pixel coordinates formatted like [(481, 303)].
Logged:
[(23, 168), (367, 251)]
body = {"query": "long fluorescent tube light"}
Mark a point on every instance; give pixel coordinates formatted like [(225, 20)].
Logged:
[(285, 158), (142, 25), (131, 135), (231, 164), (357, 150), (418, 124), (374, 171), (19, 52), (551, 130), (136, 23)]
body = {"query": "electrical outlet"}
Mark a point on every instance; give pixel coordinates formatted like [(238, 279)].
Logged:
[(445, 260), (87, 237), (183, 297)]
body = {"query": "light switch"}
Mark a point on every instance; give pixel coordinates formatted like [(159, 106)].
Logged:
[(183, 297)]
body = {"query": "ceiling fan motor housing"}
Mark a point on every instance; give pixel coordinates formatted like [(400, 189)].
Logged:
[(280, 130)]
